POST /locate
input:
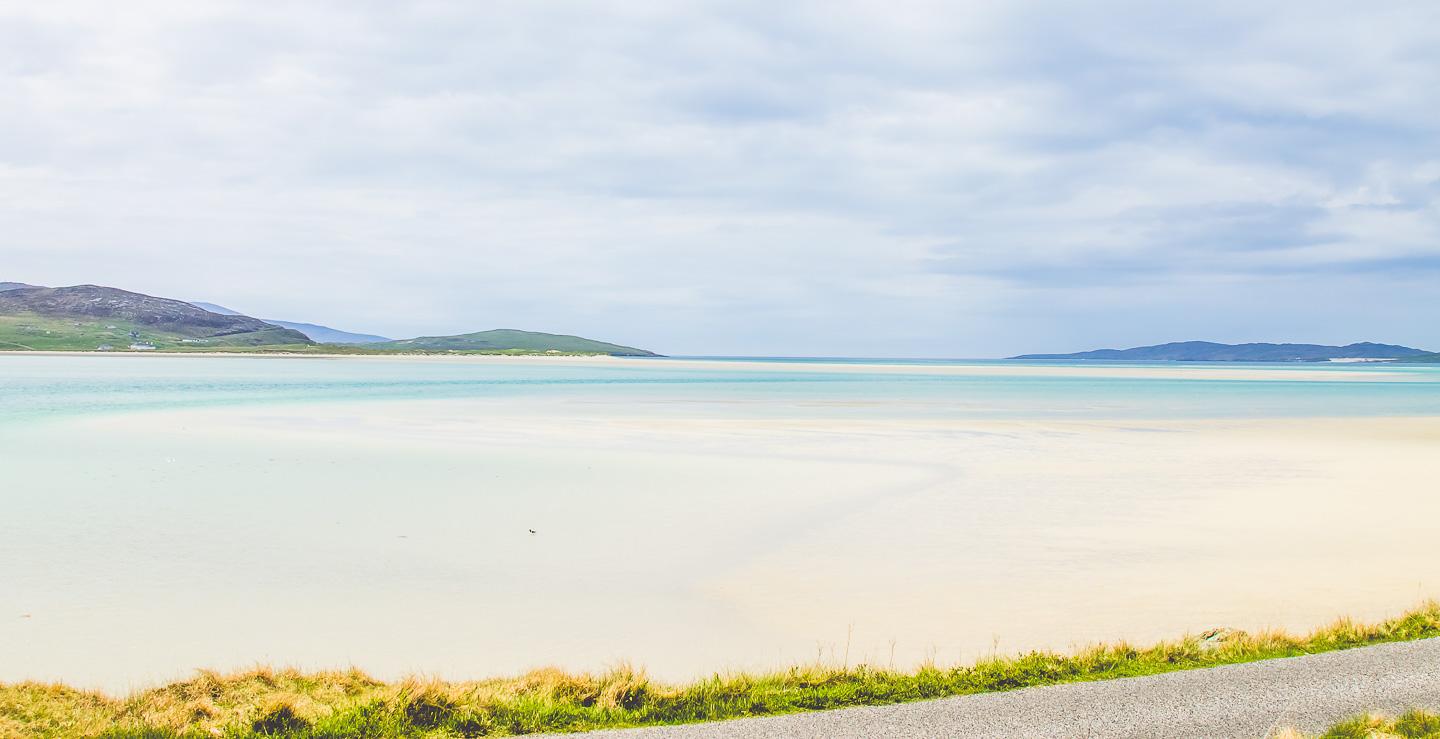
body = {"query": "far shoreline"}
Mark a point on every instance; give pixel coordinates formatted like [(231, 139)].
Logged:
[(1240, 371), (315, 355)]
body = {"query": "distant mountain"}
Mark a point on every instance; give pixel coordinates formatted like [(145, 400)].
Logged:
[(91, 316), (1205, 351), (13, 286), (510, 339), (1425, 358), (327, 335), (213, 308), (320, 334)]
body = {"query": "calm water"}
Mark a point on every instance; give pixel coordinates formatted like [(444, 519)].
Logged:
[(162, 514), (35, 388)]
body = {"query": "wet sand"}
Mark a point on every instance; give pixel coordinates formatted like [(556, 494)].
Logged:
[(394, 536)]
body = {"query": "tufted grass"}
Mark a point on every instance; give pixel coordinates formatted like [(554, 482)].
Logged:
[(1415, 724), (266, 702)]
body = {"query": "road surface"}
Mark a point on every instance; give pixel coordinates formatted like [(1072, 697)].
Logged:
[(1249, 700)]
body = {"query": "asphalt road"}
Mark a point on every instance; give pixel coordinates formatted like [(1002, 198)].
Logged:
[(1249, 700)]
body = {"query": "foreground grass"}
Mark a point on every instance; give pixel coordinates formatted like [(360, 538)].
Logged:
[(1411, 725), (288, 703)]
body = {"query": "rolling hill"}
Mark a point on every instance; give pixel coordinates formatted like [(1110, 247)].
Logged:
[(316, 332), (511, 340), (92, 317), (500, 340), (89, 317), (1206, 351)]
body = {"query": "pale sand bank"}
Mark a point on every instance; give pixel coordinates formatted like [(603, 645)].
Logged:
[(394, 536)]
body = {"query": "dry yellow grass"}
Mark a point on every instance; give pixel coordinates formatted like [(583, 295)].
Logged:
[(265, 702)]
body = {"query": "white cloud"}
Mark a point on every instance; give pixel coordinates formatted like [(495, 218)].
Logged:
[(843, 178)]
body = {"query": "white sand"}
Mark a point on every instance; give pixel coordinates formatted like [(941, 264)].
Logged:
[(690, 544)]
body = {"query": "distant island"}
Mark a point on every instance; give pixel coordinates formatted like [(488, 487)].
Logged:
[(96, 318), (1207, 351), (315, 332)]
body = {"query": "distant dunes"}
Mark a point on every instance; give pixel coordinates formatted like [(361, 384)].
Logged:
[(96, 318), (1206, 351)]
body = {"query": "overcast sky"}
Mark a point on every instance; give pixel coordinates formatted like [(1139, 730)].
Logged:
[(804, 178)]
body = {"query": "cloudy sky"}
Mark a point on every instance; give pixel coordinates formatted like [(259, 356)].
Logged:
[(887, 178)]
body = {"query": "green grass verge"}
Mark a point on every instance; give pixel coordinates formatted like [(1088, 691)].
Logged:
[(341, 705)]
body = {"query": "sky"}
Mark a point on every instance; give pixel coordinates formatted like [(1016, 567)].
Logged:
[(836, 178)]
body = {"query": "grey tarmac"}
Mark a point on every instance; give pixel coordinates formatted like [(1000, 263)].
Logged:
[(1250, 700)]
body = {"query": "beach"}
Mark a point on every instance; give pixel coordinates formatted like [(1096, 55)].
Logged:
[(694, 527)]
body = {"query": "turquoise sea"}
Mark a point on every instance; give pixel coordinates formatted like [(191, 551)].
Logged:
[(35, 387)]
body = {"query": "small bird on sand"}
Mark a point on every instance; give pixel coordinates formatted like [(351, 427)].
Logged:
[(532, 531)]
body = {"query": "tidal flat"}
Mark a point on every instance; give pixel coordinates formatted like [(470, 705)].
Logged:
[(172, 513)]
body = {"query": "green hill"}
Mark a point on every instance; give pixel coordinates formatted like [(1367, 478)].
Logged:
[(90, 318), (95, 318), (502, 340)]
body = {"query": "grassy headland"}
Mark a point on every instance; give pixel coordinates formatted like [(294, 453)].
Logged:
[(31, 332), (371, 350), (342, 705), (97, 318), (28, 331)]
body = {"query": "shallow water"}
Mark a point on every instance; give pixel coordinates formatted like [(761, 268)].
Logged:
[(39, 387), (167, 513)]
